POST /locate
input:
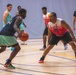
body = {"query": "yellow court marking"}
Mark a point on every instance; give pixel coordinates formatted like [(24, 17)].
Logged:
[(64, 55)]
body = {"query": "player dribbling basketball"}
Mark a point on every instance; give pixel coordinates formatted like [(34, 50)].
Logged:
[(7, 37)]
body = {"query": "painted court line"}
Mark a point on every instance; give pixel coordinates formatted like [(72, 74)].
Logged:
[(15, 72), (40, 71), (43, 66), (29, 70), (62, 57), (28, 54)]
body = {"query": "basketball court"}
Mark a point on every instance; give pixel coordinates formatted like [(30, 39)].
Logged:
[(57, 62)]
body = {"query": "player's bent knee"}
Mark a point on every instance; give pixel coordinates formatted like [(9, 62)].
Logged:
[(17, 48), (71, 42)]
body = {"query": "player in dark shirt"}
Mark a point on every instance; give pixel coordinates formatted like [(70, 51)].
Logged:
[(7, 38)]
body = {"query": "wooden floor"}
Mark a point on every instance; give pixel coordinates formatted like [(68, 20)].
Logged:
[(57, 62)]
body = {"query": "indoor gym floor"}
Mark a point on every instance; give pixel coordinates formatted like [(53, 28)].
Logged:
[(57, 62)]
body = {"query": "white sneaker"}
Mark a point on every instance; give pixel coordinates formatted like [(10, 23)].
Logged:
[(65, 46), (23, 43), (43, 48)]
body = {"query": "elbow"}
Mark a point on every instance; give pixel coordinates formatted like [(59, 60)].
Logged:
[(14, 26)]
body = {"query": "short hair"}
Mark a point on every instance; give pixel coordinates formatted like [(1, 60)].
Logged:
[(9, 5), (54, 14), (18, 7), (22, 10), (44, 8)]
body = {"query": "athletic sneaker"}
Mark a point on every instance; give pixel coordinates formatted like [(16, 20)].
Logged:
[(41, 61), (23, 43), (43, 48), (9, 66), (65, 46)]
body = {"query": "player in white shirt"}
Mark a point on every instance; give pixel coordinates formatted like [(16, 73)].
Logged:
[(46, 17)]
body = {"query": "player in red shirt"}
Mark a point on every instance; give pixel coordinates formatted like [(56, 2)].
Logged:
[(46, 17), (58, 30)]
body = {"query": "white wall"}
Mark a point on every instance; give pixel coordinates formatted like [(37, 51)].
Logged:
[(34, 20)]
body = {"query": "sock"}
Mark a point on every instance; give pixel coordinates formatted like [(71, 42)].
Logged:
[(44, 46), (8, 61), (42, 58), (64, 43)]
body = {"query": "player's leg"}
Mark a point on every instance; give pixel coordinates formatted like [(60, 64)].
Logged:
[(68, 39), (65, 45), (12, 55), (46, 51), (44, 38), (12, 48), (2, 49), (53, 40), (72, 44)]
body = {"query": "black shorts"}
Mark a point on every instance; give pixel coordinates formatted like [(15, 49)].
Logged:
[(55, 39), (45, 31)]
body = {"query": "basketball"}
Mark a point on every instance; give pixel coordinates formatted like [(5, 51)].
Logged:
[(24, 36)]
